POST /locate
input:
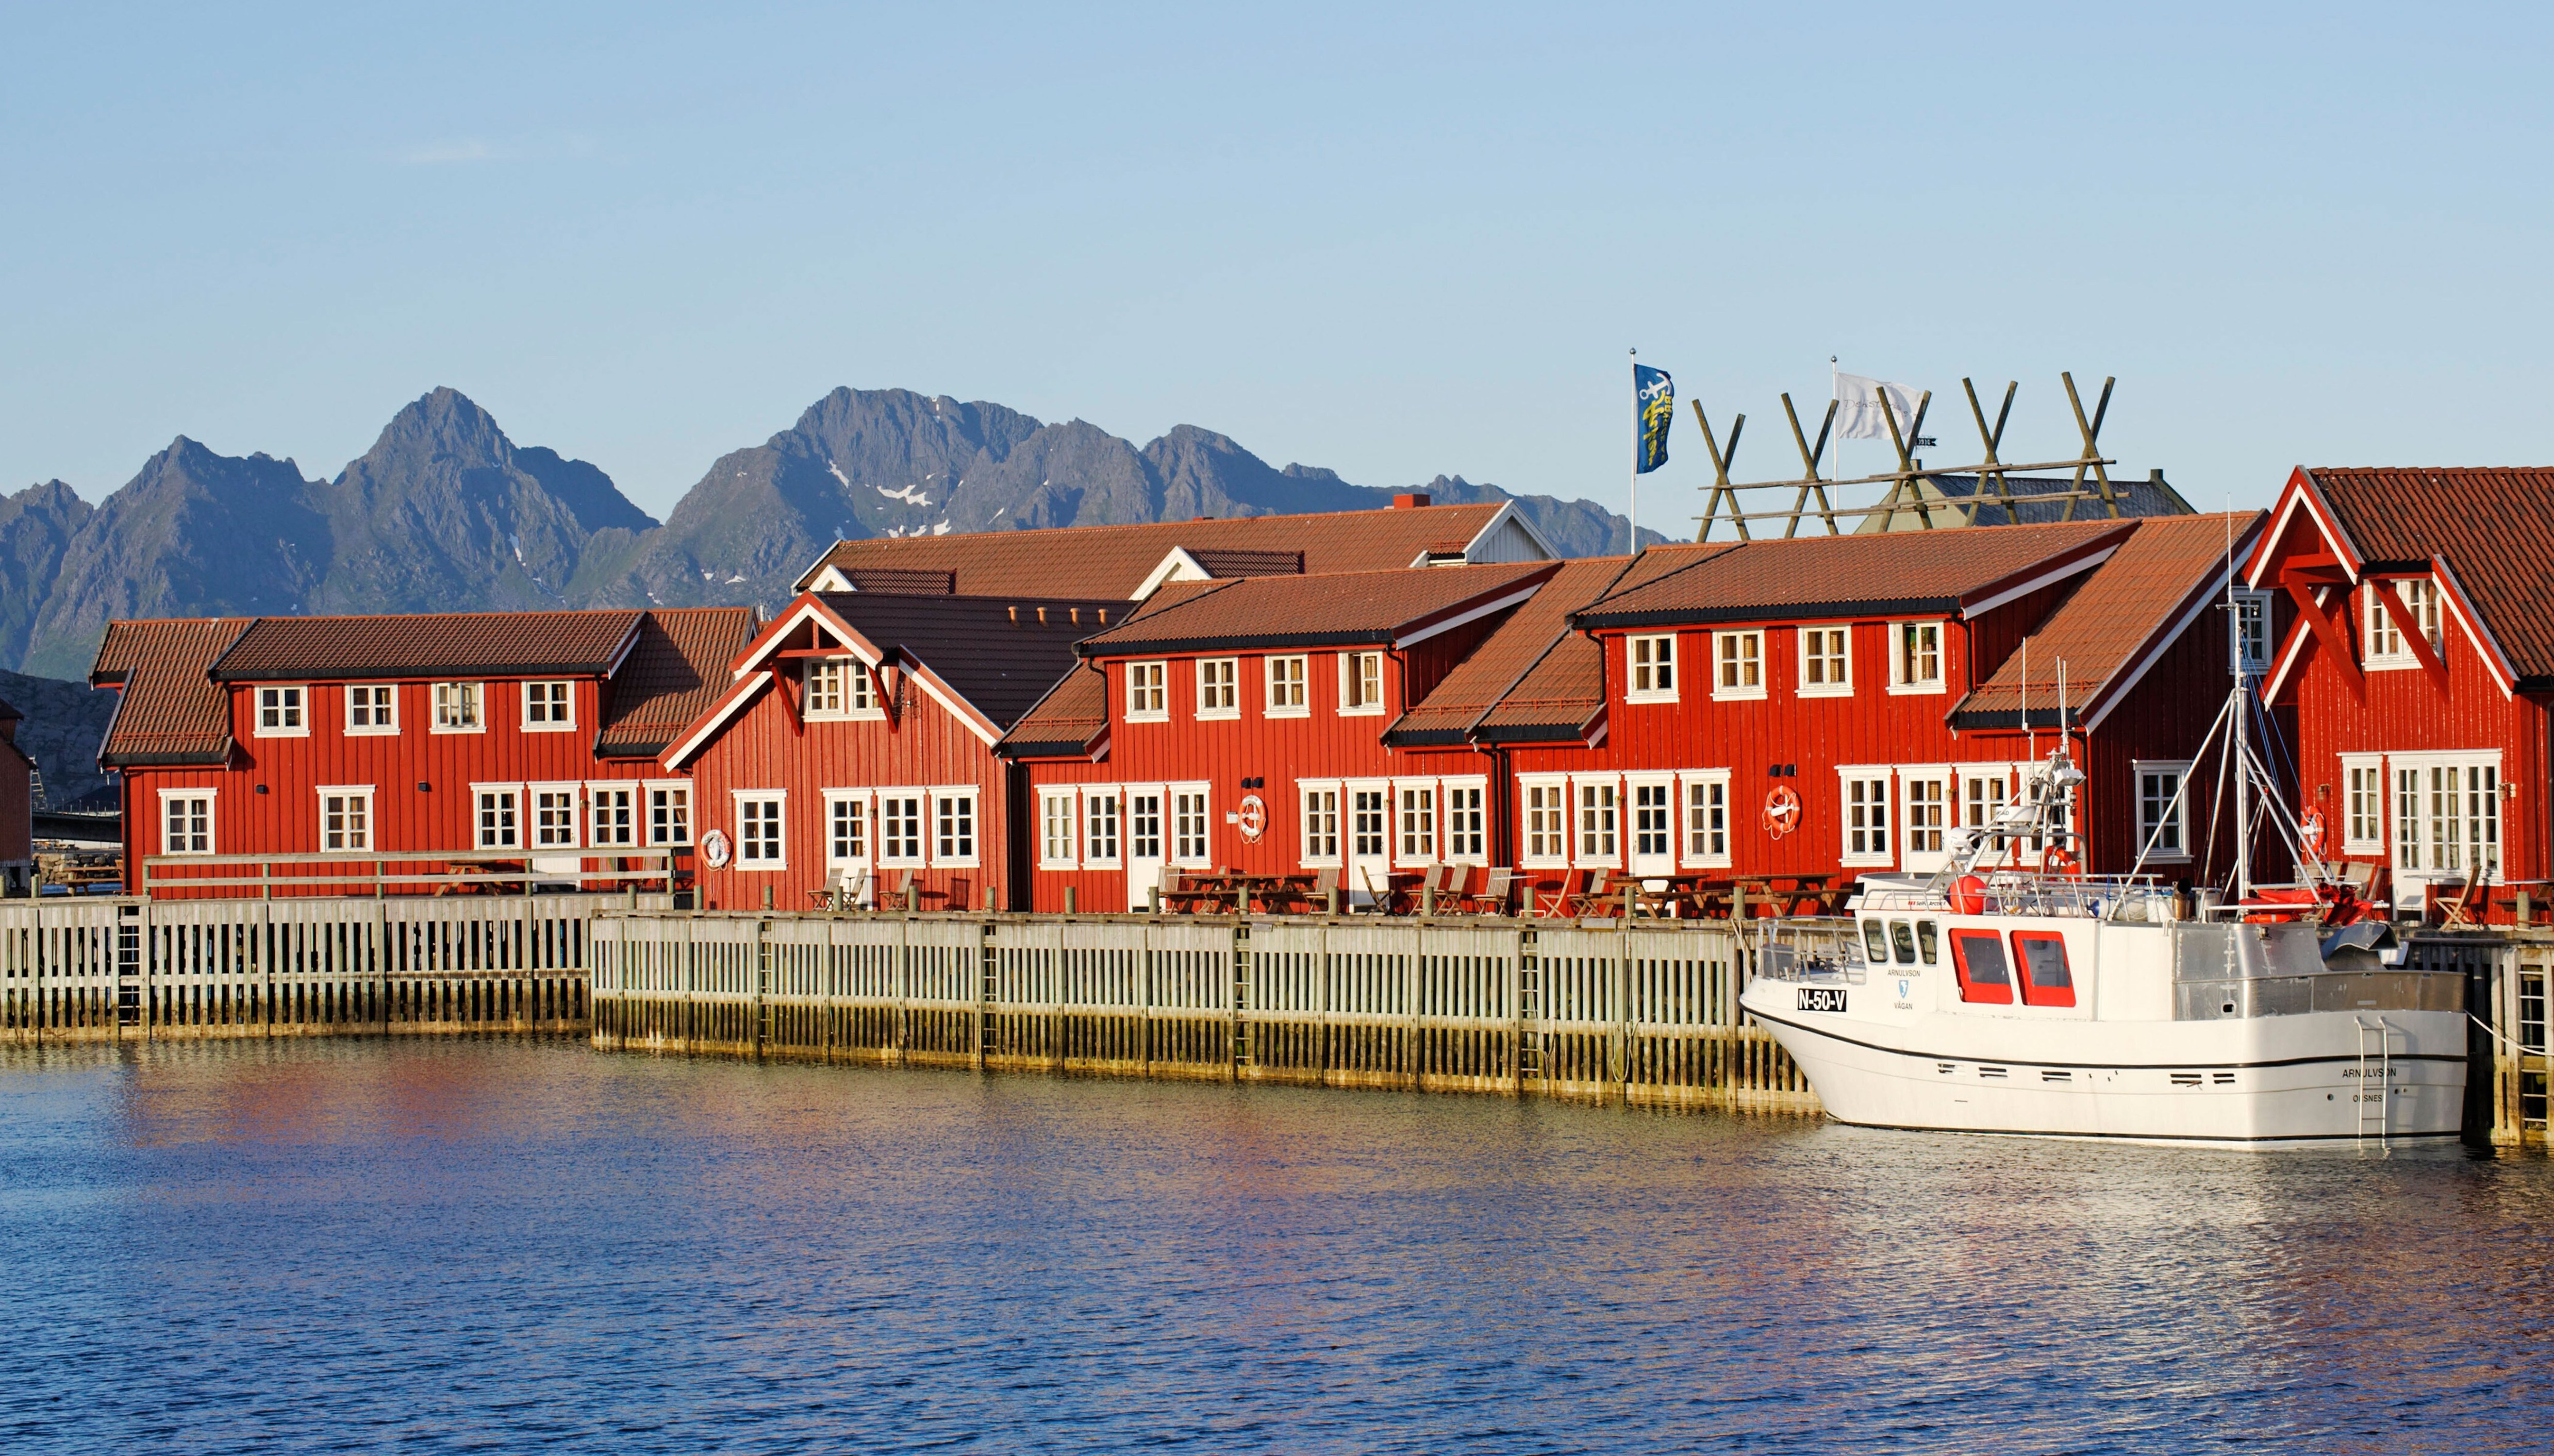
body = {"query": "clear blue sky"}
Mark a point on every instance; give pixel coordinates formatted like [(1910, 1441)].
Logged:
[(1390, 240)]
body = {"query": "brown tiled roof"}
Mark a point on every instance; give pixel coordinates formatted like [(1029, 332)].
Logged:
[(169, 712), (1239, 563), (1809, 576), (1066, 724), (2108, 624), (2493, 528), (680, 665), (993, 652), (489, 643), (1502, 661), (1095, 561), (1316, 611), (898, 582)]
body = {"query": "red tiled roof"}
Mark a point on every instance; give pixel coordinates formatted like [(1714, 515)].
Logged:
[(1239, 563), (1066, 724), (489, 643), (677, 667), (897, 582), (169, 712), (1501, 662), (1095, 561), (1379, 607), (2493, 526), (2109, 626), (1809, 576)]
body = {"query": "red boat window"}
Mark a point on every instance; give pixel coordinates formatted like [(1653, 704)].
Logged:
[(2045, 978), (1977, 956)]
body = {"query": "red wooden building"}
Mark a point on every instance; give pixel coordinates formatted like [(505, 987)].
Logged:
[(16, 809), (1243, 724), (1817, 706), (361, 737), (2417, 671), (851, 753)]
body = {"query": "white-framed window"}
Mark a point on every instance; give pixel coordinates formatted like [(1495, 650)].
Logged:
[(612, 814), (1418, 821), (761, 829), (1865, 793), (1369, 822), (372, 708), (2362, 804), (953, 826), (1148, 693), (2447, 814), (2386, 647), (900, 826), (1707, 819), (1652, 663), (1925, 813), (1057, 838), (847, 827), (1218, 686), (279, 712), (1600, 815), (1321, 824), (456, 709), (499, 811), (1916, 657), (1286, 697), (838, 688), (2163, 811), (345, 819), (1100, 828), (2252, 630), (1985, 792), (549, 707), (186, 821), (1654, 815), (1467, 822), (1360, 682), (1190, 845), (1543, 805), (1738, 665), (670, 812), (1826, 662), (554, 816), (1144, 824)]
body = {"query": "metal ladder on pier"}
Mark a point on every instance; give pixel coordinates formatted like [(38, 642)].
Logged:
[(2377, 1065), (128, 966), (1529, 1013), (1244, 1034), (989, 995)]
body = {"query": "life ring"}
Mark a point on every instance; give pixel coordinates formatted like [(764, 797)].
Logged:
[(2061, 860), (2310, 833), (1254, 818), (714, 848), (1782, 810)]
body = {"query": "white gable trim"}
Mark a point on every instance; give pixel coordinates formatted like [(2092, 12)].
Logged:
[(1475, 551), (1972, 611), (1500, 603), (948, 696), (2116, 691), (1179, 566), (2301, 494), (806, 610), (2461, 607), (700, 733)]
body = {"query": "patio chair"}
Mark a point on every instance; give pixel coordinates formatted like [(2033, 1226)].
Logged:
[(1555, 903), (1424, 901), (1325, 888), (1492, 898)]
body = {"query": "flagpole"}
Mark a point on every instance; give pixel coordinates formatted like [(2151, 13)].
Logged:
[(1632, 522)]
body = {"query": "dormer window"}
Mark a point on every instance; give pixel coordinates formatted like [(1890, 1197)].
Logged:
[(2419, 600), (838, 688)]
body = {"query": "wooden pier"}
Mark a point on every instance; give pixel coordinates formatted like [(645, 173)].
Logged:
[(1644, 1013)]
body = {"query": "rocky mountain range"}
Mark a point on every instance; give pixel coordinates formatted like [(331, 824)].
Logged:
[(444, 512)]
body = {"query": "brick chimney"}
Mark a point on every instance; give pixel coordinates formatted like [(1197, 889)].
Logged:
[(1409, 498)]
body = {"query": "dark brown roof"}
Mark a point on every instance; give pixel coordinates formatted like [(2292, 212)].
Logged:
[(1844, 575), (1340, 609), (680, 665), (993, 652), (1066, 724), (1501, 662), (1093, 561), (2494, 529), (898, 582), (478, 643), (2115, 616), (1241, 563), (169, 712), (9, 714)]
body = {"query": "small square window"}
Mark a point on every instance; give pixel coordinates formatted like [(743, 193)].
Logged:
[(1286, 688), (345, 820), (371, 708), (500, 814), (278, 713), (847, 827), (762, 839), (612, 814), (1915, 662), (1218, 686), (1826, 662), (186, 823), (1738, 661), (669, 813), (1653, 668), (549, 708), (1360, 682), (456, 709), (1148, 698)]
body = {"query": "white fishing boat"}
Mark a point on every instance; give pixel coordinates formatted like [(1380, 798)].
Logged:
[(2010, 998)]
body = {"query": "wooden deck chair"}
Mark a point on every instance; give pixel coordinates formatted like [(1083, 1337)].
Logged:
[(829, 895), (905, 896), (1555, 903), (1424, 901), (2456, 912), (1325, 884), (1492, 898)]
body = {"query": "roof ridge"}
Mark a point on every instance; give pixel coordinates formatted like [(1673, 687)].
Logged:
[(1567, 627)]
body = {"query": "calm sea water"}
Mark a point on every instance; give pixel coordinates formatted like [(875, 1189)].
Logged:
[(509, 1247)]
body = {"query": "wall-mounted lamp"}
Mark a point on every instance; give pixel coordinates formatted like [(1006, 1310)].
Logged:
[(261, 788), (423, 787)]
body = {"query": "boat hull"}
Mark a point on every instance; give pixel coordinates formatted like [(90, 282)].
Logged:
[(2256, 1082)]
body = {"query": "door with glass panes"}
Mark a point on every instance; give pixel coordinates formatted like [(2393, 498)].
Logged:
[(1147, 843), (1368, 814)]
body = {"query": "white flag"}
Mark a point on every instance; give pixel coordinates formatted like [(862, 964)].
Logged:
[(1858, 416)]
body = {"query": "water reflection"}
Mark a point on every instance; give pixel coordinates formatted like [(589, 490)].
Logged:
[(501, 1245)]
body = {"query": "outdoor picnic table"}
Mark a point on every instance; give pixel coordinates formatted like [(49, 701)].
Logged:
[(1231, 891)]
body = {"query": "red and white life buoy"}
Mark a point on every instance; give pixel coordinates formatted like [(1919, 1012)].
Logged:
[(2310, 833), (1254, 818), (1782, 811), (2061, 860)]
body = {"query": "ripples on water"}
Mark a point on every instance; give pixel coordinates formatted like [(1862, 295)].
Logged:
[(507, 1246)]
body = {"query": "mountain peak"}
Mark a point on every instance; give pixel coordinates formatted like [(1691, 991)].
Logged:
[(446, 424)]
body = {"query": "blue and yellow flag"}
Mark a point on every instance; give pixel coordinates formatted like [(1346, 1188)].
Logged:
[(1653, 409)]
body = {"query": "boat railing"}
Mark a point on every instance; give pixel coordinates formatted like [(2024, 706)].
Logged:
[(1812, 952), (2135, 899)]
